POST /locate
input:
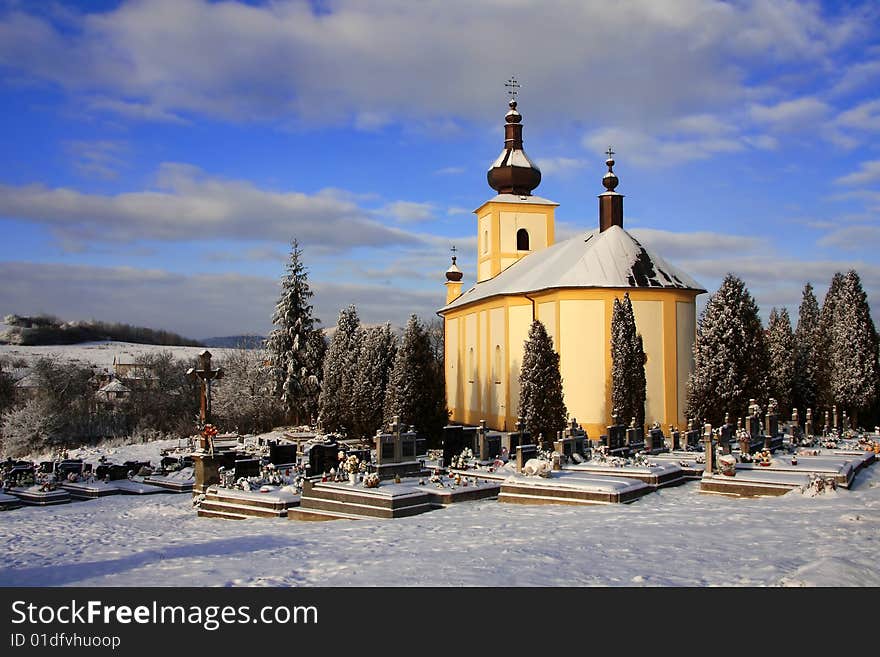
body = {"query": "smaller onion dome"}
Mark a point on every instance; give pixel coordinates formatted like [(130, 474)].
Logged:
[(453, 274), (513, 172)]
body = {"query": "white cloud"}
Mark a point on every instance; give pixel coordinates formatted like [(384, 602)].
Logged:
[(664, 149), (868, 172), (687, 245), (188, 204), (450, 171), (102, 158), (370, 63), (791, 114), (560, 165), (864, 116), (408, 211), (852, 238)]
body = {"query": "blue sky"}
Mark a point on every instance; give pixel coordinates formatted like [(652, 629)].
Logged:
[(158, 155)]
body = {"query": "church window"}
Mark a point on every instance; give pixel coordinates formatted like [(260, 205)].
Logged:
[(522, 240), (485, 241), (497, 363), (472, 370)]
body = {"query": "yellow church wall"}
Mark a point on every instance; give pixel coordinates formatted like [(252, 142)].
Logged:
[(686, 332), (472, 394), (649, 323), (484, 247), (547, 315), (453, 366), (535, 224), (576, 319), (581, 335), (497, 357), (519, 320)]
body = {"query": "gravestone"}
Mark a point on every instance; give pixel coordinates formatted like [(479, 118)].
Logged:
[(322, 458), (674, 438), (616, 437), (518, 437), (282, 454), (710, 449), (396, 452), (247, 468), (725, 436), (205, 375), (635, 437), (523, 454), (490, 446), (691, 436), (808, 424), (834, 415), (655, 440), (471, 439), (453, 442)]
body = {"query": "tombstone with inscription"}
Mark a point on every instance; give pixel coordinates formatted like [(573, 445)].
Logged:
[(725, 435), (635, 437), (453, 443), (247, 468), (282, 454), (674, 438), (808, 424), (396, 452), (655, 441)]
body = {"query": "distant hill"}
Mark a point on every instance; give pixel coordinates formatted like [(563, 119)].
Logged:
[(48, 330), (235, 342)]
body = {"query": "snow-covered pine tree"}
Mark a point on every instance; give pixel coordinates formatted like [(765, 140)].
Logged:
[(316, 349), (804, 378), (374, 365), (286, 344), (780, 348), (824, 334), (730, 355), (541, 403), (628, 383), (340, 365), (854, 371), (413, 392)]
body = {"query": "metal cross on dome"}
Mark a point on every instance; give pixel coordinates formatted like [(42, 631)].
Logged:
[(512, 85), (453, 249), (609, 152)]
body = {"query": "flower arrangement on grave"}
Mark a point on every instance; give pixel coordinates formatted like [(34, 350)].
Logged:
[(371, 480), (351, 464), (462, 461)]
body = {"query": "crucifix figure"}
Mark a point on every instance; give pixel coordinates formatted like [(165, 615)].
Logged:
[(205, 374), (512, 85)]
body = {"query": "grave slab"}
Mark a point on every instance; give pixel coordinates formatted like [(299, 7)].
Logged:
[(90, 490), (33, 496), (131, 487), (657, 476), (9, 502), (571, 488), (334, 500), (233, 504)]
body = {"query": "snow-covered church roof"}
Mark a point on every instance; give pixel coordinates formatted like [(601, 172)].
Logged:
[(610, 258)]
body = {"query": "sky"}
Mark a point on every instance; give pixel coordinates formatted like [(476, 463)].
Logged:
[(159, 155)]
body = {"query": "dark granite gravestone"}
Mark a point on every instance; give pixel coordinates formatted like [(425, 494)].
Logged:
[(323, 458), (454, 442), (772, 424), (489, 446), (674, 439), (385, 448), (68, 466), (282, 454), (616, 439), (421, 446), (408, 446), (655, 440), (692, 438), (725, 437), (523, 454), (47, 467), (808, 424), (753, 426), (471, 439), (635, 438), (247, 468)]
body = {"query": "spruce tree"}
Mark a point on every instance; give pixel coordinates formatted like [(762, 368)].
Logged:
[(374, 364), (340, 365), (854, 370), (316, 349), (628, 382), (824, 347), (286, 344), (805, 335), (780, 348), (541, 403), (730, 355), (413, 393)]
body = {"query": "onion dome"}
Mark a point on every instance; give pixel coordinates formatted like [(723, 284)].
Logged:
[(513, 172), (609, 180), (453, 274)]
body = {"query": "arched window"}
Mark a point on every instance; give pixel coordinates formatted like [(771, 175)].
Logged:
[(497, 363), (522, 240), (472, 366), (485, 241)]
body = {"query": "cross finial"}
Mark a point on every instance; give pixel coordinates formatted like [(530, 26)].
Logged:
[(609, 152), (453, 249), (512, 85)]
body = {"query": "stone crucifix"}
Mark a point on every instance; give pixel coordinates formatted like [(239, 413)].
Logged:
[(205, 374)]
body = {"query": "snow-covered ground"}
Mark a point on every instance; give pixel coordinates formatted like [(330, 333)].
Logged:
[(100, 354), (675, 537)]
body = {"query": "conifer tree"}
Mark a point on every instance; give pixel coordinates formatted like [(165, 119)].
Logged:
[(316, 349), (340, 365), (730, 355), (541, 403), (628, 382), (374, 364), (824, 347), (413, 393), (286, 344), (805, 335), (854, 370), (780, 348)]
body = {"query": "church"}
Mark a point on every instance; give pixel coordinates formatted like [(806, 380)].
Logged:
[(570, 286)]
